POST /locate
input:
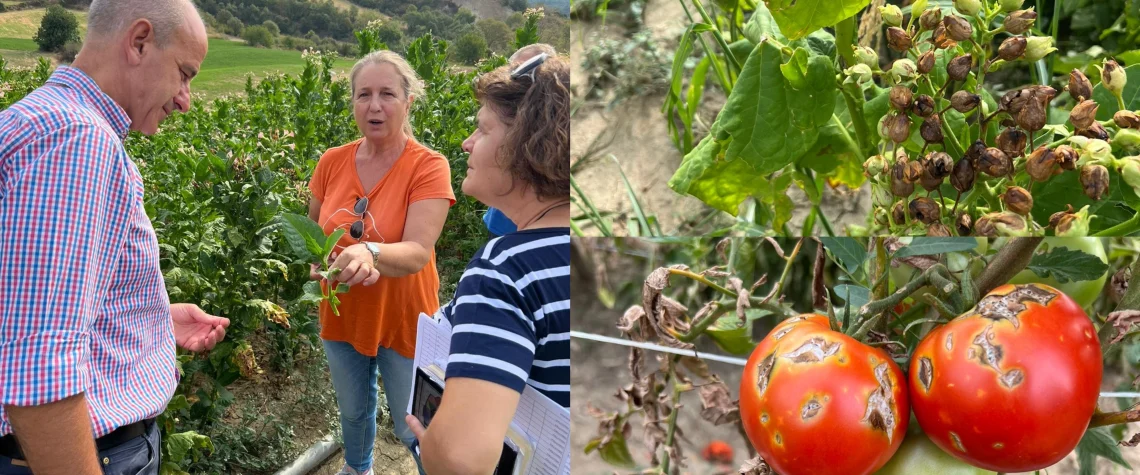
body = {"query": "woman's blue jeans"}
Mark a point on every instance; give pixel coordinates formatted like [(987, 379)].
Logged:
[(357, 394)]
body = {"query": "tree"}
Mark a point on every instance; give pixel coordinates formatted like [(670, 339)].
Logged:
[(223, 17), (235, 26), (497, 33), (471, 47), (57, 28), (258, 36), (272, 27)]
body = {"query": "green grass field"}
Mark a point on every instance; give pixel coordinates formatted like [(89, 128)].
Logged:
[(25, 23), (223, 72), (228, 63)]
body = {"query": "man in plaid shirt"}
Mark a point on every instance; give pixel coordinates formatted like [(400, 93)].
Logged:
[(87, 333)]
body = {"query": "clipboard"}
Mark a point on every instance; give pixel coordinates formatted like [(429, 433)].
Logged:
[(538, 438)]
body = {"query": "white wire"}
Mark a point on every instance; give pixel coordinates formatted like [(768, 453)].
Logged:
[(730, 360)]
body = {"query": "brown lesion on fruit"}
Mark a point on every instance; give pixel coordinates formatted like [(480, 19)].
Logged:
[(764, 372), (957, 442), (813, 351), (764, 418), (999, 445), (779, 439), (783, 332), (925, 373), (880, 413), (810, 409), (1012, 378), (1007, 307), (985, 351), (950, 341)]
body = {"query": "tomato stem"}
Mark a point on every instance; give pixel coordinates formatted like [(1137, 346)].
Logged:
[(1010, 260), (1113, 418)]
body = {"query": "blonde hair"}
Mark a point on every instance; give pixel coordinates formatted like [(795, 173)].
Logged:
[(412, 84)]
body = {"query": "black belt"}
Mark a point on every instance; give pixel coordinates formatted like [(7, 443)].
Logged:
[(10, 448)]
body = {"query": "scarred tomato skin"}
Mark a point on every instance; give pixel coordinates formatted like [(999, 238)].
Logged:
[(1011, 385), (829, 404)]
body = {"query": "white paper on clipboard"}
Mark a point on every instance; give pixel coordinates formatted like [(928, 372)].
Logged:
[(544, 422)]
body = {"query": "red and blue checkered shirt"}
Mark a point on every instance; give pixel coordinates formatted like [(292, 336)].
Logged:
[(83, 306)]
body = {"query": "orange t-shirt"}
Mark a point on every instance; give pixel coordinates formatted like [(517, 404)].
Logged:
[(386, 313)]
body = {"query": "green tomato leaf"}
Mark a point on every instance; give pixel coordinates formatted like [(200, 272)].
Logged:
[(798, 18), (853, 296), (928, 246), (848, 251), (179, 445), (1067, 265), (732, 337), (1097, 442), (768, 122)]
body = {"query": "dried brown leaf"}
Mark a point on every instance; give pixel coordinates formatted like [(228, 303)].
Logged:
[(755, 466), (818, 287), (1134, 441), (779, 250), (696, 366), (742, 298), (717, 406), (1122, 321)]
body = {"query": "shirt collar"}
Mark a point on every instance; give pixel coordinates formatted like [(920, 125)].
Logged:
[(89, 91)]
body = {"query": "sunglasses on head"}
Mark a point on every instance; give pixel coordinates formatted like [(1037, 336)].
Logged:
[(360, 209), (528, 68)]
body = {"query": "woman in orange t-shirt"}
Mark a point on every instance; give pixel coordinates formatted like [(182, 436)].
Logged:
[(391, 195)]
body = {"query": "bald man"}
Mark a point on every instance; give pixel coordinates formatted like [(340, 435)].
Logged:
[(87, 334), (497, 222)]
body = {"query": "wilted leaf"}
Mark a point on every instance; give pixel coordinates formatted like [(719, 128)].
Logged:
[(717, 406)]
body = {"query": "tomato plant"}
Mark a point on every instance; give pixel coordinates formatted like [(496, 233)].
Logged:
[(806, 386), (1002, 377), (987, 387)]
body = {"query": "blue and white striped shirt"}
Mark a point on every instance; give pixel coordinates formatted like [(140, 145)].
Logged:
[(510, 316)]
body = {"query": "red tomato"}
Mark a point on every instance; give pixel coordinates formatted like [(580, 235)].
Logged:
[(1011, 385), (717, 451), (816, 401)]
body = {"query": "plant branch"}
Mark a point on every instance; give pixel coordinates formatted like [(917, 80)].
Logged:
[(703, 324), (940, 279), (1113, 418), (779, 287), (671, 427), (756, 301), (1010, 260)]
